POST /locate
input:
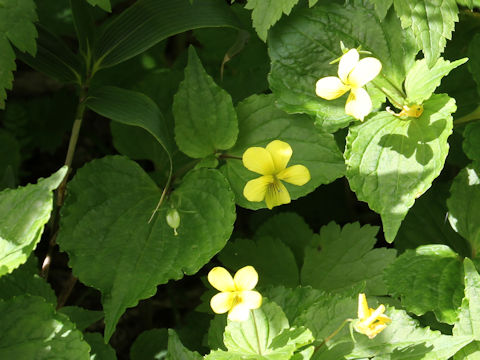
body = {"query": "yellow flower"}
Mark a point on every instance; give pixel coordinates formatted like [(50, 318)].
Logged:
[(414, 111), (370, 322), (353, 74), (237, 295), (271, 162)]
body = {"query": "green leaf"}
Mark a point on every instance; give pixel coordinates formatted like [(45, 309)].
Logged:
[(205, 119), (261, 122), (272, 259), (474, 63), (463, 205), (391, 161), (432, 23), (471, 135), (105, 221), (469, 352), (147, 22), (426, 223), (267, 12), (26, 281), (468, 322), (381, 7), (99, 350), (53, 58), (176, 350), (291, 229), (84, 27), (104, 4), (422, 81), (30, 329), (339, 249), (265, 335), (215, 332), (302, 46), (469, 3), (23, 213), (150, 344), (16, 27), (428, 279), (82, 318)]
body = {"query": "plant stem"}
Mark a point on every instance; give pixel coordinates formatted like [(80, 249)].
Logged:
[(329, 337), (473, 116)]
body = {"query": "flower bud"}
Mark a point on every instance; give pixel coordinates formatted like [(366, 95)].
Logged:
[(173, 220)]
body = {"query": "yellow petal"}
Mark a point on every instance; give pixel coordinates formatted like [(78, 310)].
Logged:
[(221, 279), (259, 160), (384, 319), (330, 87), (296, 175), (255, 189), (251, 299), (281, 153), (246, 278), (347, 63), (363, 311), (375, 330), (358, 104), (366, 70), (277, 194), (222, 302), (239, 312), (374, 316)]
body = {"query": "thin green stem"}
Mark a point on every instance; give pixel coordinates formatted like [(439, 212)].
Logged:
[(226, 156), (164, 193), (329, 337), (256, 332), (473, 116)]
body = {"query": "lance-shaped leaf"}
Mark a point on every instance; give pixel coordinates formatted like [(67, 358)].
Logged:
[(302, 46), (30, 329), (422, 81), (104, 4), (428, 279), (392, 161), (261, 122), (343, 258), (265, 335), (464, 204), (112, 246), (147, 22), (432, 22), (205, 119), (16, 27), (23, 213)]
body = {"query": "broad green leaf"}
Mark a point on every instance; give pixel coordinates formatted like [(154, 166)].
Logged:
[(267, 12), (344, 257), (381, 7), (147, 22), (469, 352), (205, 119), (261, 122), (426, 223), (463, 205), (26, 281), (272, 259), (104, 4), (471, 143), (432, 22), (291, 229), (469, 3), (23, 213), (265, 335), (215, 332), (99, 350), (422, 81), (30, 329), (16, 28), (150, 344), (302, 46), (468, 322), (82, 318), (176, 350), (391, 161), (428, 279), (105, 221)]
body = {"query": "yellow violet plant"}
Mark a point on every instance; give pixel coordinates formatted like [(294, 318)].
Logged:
[(353, 74), (370, 322), (236, 294), (271, 162)]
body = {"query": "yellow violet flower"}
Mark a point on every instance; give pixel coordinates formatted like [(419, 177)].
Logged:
[(237, 295), (370, 322), (353, 74), (271, 162), (414, 111)]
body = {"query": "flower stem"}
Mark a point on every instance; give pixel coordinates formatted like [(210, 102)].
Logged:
[(329, 337), (473, 116)]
